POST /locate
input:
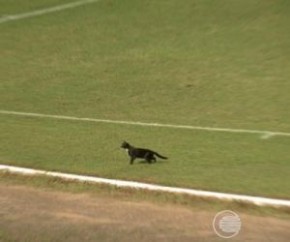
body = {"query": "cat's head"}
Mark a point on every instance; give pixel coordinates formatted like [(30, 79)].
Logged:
[(125, 145)]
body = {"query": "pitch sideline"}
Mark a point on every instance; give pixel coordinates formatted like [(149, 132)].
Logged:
[(7, 18), (264, 134)]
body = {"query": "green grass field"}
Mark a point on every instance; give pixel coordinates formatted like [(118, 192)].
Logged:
[(193, 62)]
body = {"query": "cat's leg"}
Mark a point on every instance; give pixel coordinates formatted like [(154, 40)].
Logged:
[(148, 157), (132, 160)]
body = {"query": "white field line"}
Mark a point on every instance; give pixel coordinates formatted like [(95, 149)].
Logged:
[(35, 13), (260, 201), (264, 134)]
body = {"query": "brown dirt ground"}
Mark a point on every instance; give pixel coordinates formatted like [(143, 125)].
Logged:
[(33, 214)]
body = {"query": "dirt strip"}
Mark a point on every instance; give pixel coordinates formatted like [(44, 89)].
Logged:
[(34, 214)]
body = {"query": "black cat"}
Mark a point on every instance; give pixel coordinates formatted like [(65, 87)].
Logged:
[(146, 154)]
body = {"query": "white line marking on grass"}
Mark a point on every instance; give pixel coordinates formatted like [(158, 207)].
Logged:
[(267, 135), (260, 201), (263, 133), (45, 11)]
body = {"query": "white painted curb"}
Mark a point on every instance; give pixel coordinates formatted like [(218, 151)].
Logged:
[(260, 201)]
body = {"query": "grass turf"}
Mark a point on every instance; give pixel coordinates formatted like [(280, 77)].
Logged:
[(206, 63)]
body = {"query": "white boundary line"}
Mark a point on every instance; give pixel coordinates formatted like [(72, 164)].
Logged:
[(264, 134), (8, 18), (260, 201)]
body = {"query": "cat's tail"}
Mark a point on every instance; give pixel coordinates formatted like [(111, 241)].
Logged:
[(160, 156)]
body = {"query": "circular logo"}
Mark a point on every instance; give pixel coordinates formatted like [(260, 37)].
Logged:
[(227, 224)]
